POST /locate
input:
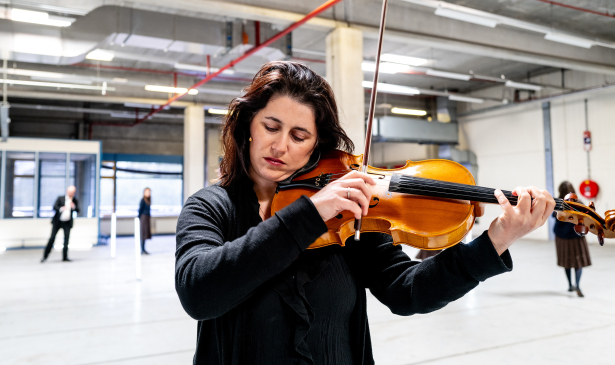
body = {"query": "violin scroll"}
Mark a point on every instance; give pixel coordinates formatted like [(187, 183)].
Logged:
[(586, 219)]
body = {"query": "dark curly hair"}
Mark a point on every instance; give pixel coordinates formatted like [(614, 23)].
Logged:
[(278, 78)]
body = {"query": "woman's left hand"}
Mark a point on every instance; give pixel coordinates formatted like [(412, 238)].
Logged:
[(517, 221)]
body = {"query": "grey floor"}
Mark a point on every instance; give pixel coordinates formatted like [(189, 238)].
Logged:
[(93, 311)]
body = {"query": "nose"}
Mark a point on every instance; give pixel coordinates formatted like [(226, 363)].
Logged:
[(280, 145)]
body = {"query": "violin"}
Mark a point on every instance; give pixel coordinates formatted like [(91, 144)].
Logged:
[(430, 204)]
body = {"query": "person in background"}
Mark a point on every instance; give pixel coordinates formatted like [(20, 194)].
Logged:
[(572, 251), (63, 219), (144, 218)]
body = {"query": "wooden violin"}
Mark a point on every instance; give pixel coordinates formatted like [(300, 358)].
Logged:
[(430, 204)]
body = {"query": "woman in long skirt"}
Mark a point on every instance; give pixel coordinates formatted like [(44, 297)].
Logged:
[(144, 218), (572, 251)]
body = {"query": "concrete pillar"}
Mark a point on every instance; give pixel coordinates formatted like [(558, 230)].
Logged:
[(214, 151), (194, 149), (344, 58)]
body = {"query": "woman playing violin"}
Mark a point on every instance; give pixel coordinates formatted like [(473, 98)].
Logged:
[(260, 297)]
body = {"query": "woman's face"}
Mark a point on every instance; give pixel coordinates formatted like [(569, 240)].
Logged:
[(147, 193), (283, 138)]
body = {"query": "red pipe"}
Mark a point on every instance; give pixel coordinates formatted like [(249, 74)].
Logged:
[(577, 8), (257, 33), (249, 53)]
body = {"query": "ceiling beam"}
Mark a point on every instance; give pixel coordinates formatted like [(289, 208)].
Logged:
[(438, 41)]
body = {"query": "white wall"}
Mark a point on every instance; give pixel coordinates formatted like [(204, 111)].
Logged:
[(509, 145)]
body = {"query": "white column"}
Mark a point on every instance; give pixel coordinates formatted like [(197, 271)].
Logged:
[(344, 58), (137, 249), (194, 149), (113, 234), (214, 151)]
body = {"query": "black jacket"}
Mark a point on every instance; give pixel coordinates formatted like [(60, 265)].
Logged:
[(144, 208), (59, 204), (243, 279)]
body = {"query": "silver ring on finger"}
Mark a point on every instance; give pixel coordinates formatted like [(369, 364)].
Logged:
[(348, 193)]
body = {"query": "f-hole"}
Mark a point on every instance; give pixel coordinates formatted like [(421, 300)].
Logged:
[(376, 200)]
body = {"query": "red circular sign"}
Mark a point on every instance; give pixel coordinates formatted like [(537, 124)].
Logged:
[(589, 189)]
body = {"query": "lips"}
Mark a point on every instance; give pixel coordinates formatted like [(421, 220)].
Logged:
[(274, 161)]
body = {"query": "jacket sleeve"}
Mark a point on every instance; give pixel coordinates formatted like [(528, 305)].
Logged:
[(213, 275), (140, 207), (408, 287), (57, 204)]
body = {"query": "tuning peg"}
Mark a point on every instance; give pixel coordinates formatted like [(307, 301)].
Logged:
[(601, 238), (592, 206), (571, 197), (581, 230)]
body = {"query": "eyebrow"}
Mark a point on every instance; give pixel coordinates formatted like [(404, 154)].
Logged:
[(280, 122)]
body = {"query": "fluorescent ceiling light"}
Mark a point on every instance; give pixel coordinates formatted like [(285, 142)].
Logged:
[(183, 66), (520, 85), (467, 99), (217, 111), (408, 111), (54, 84), (38, 17), (385, 67), (404, 60), (392, 89), (120, 80), (448, 75), (100, 55), (33, 73), (466, 17), (171, 89), (570, 40), (2, 249)]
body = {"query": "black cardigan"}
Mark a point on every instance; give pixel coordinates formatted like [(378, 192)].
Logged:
[(239, 277)]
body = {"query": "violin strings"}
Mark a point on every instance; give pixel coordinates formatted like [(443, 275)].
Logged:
[(477, 192)]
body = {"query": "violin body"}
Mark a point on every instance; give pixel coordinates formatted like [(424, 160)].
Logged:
[(419, 221)]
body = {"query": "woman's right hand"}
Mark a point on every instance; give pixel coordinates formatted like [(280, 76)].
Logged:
[(351, 192)]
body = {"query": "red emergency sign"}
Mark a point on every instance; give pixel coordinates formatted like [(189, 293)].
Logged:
[(589, 189), (587, 141)]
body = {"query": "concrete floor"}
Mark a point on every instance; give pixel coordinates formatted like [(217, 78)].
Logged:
[(93, 311)]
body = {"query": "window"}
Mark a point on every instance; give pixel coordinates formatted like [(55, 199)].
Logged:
[(19, 185), (164, 180), (52, 181), (82, 168)]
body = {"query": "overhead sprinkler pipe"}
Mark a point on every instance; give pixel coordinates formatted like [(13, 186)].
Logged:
[(577, 8), (248, 53)]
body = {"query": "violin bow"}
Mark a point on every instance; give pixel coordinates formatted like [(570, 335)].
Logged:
[(372, 107)]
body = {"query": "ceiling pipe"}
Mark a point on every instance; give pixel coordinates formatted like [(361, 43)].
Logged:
[(149, 70), (541, 99), (577, 8), (251, 51)]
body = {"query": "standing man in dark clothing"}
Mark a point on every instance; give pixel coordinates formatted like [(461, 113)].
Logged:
[(63, 219)]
